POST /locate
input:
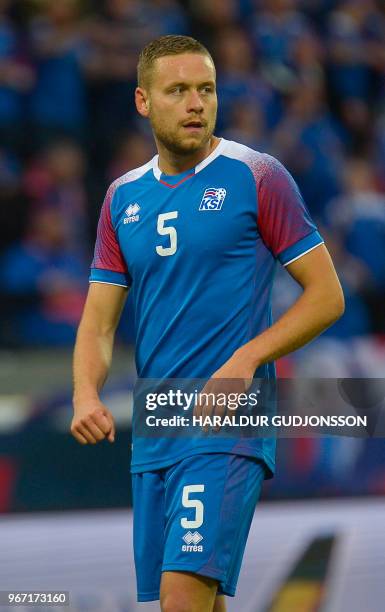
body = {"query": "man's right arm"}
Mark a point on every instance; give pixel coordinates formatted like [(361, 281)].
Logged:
[(92, 421)]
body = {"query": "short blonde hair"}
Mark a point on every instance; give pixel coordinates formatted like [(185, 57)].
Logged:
[(163, 46)]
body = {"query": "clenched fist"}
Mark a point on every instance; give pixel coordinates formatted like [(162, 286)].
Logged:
[(92, 422)]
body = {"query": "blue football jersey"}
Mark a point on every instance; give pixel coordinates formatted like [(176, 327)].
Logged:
[(199, 251)]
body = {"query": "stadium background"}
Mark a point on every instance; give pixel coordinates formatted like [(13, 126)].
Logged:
[(301, 80)]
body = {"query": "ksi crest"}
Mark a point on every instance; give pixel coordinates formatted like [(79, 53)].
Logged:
[(213, 198)]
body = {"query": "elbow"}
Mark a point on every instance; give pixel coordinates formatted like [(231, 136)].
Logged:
[(337, 306), (96, 329)]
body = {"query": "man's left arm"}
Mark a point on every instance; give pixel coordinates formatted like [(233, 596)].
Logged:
[(319, 306)]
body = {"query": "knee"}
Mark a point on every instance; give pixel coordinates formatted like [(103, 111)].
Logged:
[(175, 603)]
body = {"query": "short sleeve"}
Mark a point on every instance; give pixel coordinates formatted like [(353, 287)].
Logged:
[(283, 219), (108, 265)]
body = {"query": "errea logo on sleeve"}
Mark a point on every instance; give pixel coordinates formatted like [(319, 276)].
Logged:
[(132, 213), (213, 198)]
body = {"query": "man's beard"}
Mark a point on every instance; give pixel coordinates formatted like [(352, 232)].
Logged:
[(176, 144)]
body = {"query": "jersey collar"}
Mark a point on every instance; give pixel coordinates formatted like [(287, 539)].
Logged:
[(176, 179)]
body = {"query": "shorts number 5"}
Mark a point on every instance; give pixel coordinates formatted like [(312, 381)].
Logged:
[(192, 503)]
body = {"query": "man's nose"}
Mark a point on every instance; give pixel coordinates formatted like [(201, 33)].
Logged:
[(194, 101)]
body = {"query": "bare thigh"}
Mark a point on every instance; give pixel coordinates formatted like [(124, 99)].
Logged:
[(188, 592)]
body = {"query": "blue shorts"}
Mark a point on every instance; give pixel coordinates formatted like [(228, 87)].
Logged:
[(194, 516)]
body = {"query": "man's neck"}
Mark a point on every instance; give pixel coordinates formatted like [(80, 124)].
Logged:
[(171, 163)]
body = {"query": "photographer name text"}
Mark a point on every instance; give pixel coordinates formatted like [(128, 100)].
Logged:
[(257, 421)]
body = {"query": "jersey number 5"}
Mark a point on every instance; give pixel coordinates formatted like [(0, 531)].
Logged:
[(167, 231), (192, 503)]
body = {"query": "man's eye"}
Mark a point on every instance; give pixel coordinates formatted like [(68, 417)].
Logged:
[(207, 89), (176, 90)]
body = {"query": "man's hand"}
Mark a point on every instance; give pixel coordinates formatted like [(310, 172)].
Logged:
[(238, 366), (235, 377), (92, 422)]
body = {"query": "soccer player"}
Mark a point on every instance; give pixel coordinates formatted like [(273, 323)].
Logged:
[(195, 234)]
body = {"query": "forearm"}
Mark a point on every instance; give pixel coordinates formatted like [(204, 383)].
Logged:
[(311, 314), (92, 361)]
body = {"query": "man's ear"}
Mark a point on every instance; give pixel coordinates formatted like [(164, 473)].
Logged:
[(142, 102)]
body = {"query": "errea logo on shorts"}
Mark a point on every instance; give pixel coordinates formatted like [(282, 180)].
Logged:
[(192, 540), (132, 213)]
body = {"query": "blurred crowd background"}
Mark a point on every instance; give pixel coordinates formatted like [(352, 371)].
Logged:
[(303, 80)]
